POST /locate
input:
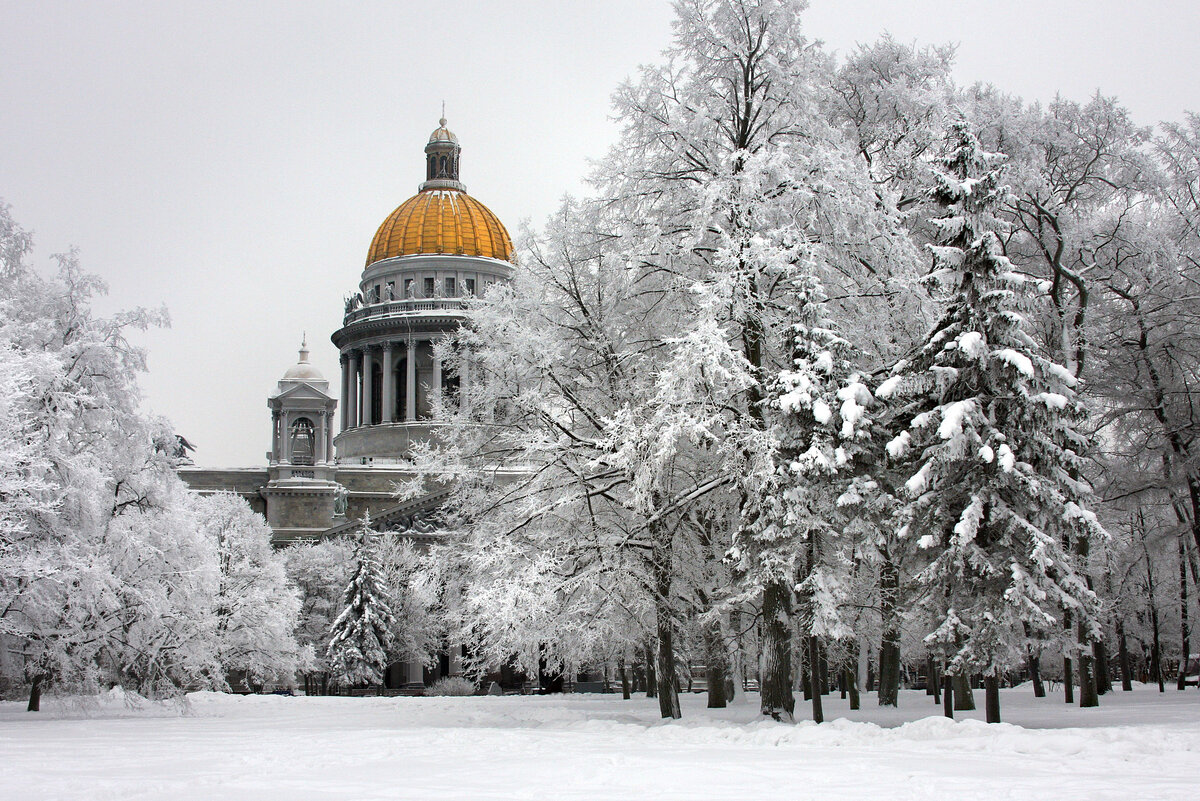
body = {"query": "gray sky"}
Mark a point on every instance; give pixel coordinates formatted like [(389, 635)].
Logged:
[(232, 160)]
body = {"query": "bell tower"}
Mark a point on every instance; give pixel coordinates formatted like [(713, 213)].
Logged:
[(301, 493)]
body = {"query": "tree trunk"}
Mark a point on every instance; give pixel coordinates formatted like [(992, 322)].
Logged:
[(889, 648), (1156, 647), (1068, 680), (1100, 659), (1156, 667), (1184, 632), (35, 694), (852, 685), (991, 691), (948, 695), (624, 682), (964, 698), (1123, 657), (800, 660), (1035, 673), (823, 665), (1088, 697), (737, 661), (804, 669), (816, 657), (716, 665), (651, 678), (776, 690), (930, 682)]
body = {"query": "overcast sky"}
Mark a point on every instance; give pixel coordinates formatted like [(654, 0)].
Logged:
[(232, 160)]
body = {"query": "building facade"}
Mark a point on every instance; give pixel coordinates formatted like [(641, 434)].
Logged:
[(335, 457)]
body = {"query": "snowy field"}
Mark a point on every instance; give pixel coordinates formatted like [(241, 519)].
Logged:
[(1138, 745)]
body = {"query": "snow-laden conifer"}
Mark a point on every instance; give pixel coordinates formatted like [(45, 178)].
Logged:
[(792, 548), (361, 637), (990, 438)]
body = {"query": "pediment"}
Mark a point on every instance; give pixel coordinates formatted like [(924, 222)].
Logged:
[(301, 391)]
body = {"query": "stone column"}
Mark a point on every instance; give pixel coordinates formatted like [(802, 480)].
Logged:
[(345, 391), (368, 367), (389, 385), (274, 436), (319, 436), (410, 382), (352, 401), (285, 441), (329, 440)]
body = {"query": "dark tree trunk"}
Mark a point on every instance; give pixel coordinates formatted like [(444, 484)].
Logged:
[(668, 685), (1100, 659), (948, 695), (991, 693), (777, 699), (624, 682), (651, 678), (930, 682), (1068, 680), (1156, 647), (1184, 630), (804, 670), (852, 685), (936, 679), (1035, 673), (1088, 697), (35, 694), (964, 698), (1123, 658), (889, 648), (717, 666), (1156, 667), (823, 663), (737, 662), (814, 653)]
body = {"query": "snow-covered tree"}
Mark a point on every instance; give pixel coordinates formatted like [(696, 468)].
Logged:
[(256, 606), (104, 577), (997, 497), (793, 543), (320, 571), (361, 638)]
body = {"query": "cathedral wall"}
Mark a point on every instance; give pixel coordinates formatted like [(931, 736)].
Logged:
[(246, 482)]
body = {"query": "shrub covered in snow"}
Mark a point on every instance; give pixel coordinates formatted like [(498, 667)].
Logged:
[(451, 685)]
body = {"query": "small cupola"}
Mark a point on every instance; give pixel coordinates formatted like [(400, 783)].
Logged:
[(441, 160)]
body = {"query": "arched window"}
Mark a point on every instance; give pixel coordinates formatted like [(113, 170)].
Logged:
[(442, 174), (302, 441)]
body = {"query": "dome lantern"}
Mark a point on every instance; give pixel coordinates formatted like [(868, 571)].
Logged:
[(441, 160)]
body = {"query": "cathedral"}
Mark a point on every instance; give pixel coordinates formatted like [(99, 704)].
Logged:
[(334, 458)]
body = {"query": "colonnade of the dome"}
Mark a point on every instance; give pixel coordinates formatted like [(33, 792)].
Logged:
[(395, 382)]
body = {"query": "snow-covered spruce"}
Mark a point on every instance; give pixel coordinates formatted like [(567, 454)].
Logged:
[(989, 435), (361, 638)]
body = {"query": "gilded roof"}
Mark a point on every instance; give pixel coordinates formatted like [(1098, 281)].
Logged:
[(441, 221)]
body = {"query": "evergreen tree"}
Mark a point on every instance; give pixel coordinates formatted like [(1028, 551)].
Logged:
[(794, 546), (361, 638), (995, 499)]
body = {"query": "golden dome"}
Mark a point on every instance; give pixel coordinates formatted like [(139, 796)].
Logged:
[(441, 220)]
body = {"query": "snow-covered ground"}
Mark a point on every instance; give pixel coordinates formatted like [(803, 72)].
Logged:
[(1137, 745)]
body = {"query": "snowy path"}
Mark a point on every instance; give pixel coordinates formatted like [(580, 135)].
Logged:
[(1138, 744)]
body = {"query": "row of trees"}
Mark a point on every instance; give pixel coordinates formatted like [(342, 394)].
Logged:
[(841, 354), (839, 359), (110, 571)]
